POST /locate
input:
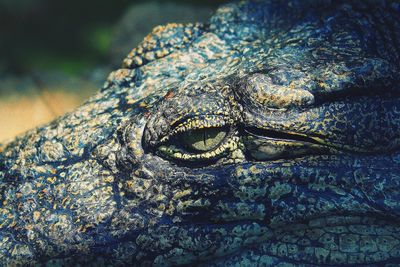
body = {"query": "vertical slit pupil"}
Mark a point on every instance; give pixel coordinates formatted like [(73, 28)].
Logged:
[(203, 139)]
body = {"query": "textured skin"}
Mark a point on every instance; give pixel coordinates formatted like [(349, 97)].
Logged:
[(306, 97)]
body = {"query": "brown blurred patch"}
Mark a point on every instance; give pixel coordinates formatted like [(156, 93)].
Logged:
[(17, 115), (30, 101)]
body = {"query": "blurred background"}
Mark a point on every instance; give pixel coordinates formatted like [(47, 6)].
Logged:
[(55, 54)]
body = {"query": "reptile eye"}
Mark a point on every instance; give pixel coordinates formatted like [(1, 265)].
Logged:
[(199, 144), (203, 139)]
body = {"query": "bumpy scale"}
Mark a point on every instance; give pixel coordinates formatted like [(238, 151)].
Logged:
[(268, 137)]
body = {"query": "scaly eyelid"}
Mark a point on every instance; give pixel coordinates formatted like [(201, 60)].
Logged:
[(177, 148), (176, 153), (195, 123)]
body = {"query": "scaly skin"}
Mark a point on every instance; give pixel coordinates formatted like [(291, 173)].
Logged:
[(270, 137)]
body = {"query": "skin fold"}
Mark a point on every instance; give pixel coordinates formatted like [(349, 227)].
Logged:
[(268, 137)]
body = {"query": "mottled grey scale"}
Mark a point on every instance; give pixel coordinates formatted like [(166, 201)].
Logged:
[(268, 137)]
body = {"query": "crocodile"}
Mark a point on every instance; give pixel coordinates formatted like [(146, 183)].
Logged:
[(269, 136)]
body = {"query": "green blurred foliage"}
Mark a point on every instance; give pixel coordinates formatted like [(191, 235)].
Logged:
[(69, 35)]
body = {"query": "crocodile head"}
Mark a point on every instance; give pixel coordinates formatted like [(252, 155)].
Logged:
[(270, 135)]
